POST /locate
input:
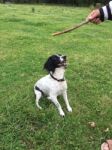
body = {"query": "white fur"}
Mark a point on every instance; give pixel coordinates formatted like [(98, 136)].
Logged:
[(52, 89)]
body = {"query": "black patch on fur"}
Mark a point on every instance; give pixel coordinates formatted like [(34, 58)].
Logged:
[(38, 89), (52, 63)]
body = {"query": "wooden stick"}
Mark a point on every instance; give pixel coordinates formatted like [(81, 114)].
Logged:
[(70, 29)]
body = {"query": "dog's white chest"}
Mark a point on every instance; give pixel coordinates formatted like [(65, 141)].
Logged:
[(60, 87)]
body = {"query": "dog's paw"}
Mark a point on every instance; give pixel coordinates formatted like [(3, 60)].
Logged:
[(69, 109), (62, 114)]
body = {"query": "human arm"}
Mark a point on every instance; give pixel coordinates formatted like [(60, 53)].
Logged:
[(99, 15)]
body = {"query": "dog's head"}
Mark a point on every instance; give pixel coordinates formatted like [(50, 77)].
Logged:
[(55, 61)]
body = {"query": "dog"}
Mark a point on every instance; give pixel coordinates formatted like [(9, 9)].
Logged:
[(53, 84)]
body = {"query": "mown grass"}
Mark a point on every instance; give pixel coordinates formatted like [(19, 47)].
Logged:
[(25, 44)]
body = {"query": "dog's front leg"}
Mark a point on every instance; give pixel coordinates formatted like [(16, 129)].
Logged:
[(57, 104), (66, 101)]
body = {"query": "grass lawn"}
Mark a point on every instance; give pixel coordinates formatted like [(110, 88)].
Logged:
[(25, 44)]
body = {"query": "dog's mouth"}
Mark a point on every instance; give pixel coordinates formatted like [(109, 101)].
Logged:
[(63, 64), (63, 61)]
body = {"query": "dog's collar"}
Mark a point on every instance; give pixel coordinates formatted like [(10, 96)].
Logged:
[(59, 80)]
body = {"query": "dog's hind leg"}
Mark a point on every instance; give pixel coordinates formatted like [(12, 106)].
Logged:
[(38, 96)]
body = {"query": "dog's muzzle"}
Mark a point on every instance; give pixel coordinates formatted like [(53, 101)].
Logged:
[(63, 64)]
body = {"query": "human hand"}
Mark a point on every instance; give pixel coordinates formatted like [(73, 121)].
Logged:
[(94, 16)]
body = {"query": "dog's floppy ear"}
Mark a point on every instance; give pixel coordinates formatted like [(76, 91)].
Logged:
[(49, 65)]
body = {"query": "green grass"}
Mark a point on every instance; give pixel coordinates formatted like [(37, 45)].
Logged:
[(25, 44)]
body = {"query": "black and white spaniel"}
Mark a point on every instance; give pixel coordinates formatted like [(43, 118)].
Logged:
[(53, 84)]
